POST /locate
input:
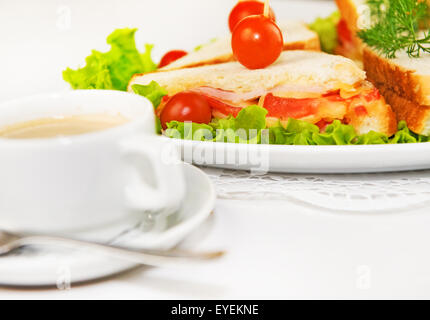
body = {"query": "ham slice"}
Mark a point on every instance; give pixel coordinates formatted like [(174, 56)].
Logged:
[(236, 98), (229, 95)]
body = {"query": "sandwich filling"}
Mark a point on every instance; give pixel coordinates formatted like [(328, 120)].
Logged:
[(313, 105)]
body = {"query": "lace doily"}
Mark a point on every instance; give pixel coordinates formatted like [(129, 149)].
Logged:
[(385, 192)]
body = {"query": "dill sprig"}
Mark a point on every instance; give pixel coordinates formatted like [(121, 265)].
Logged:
[(396, 26)]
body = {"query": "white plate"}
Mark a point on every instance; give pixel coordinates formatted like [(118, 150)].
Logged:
[(44, 266), (307, 159)]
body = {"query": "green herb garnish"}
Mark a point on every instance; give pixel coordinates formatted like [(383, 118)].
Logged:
[(396, 26)]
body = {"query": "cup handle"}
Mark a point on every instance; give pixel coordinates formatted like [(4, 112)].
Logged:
[(161, 159)]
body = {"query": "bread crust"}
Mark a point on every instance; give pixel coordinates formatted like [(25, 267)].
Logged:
[(380, 118), (416, 116), (348, 11), (311, 44), (405, 83)]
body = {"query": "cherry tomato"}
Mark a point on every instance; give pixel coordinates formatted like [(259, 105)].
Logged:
[(257, 42), (171, 56), (373, 95), (186, 106), (244, 9)]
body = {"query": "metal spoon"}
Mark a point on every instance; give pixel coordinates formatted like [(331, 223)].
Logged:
[(10, 242)]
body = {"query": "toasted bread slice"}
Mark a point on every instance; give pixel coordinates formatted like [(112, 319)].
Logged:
[(416, 116), (298, 68), (405, 84), (380, 118), (407, 77), (297, 36)]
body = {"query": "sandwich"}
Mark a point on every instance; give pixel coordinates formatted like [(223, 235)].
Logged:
[(353, 15), (297, 36), (405, 84), (337, 32), (311, 86), (401, 73)]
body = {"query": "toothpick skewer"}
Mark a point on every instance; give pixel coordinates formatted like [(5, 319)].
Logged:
[(266, 8)]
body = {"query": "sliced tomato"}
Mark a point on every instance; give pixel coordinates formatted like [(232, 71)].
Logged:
[(285, 108), (322, 124), (333, 96), (163, 103), (222, 107), (343, 32), (373, 95), (360, 111)]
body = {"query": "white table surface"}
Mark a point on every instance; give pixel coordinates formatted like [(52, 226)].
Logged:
[(275, 249)]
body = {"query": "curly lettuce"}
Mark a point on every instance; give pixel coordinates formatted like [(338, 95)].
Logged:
[(326, 28), (153, 92), (112, 69)]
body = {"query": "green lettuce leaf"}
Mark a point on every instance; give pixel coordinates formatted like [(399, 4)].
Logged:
[(404, 135), (153, 92), (112, 69), (296, 132), (299, 132), (336, 133), (251, 117), (225, 129), (372, 137), (95, 75), (245, 128), (326, 28), (190, 131)]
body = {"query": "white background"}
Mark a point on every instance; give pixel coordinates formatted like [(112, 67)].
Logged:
[(275, 249)]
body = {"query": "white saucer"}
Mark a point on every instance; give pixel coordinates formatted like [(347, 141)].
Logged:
[(57, 266)]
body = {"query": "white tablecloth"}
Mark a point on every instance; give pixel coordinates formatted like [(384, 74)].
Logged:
[(286, 236), (281, 246)]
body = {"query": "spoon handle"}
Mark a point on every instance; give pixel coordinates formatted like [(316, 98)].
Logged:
[(144, 257)]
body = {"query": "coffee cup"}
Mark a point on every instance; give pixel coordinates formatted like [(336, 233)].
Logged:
[(87, 181)]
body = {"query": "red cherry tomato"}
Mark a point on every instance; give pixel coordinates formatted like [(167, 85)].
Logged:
[(245, 9), (186, 106), (257, 42), (171, 56)]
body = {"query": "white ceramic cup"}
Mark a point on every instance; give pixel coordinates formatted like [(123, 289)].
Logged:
[(88, 181)]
